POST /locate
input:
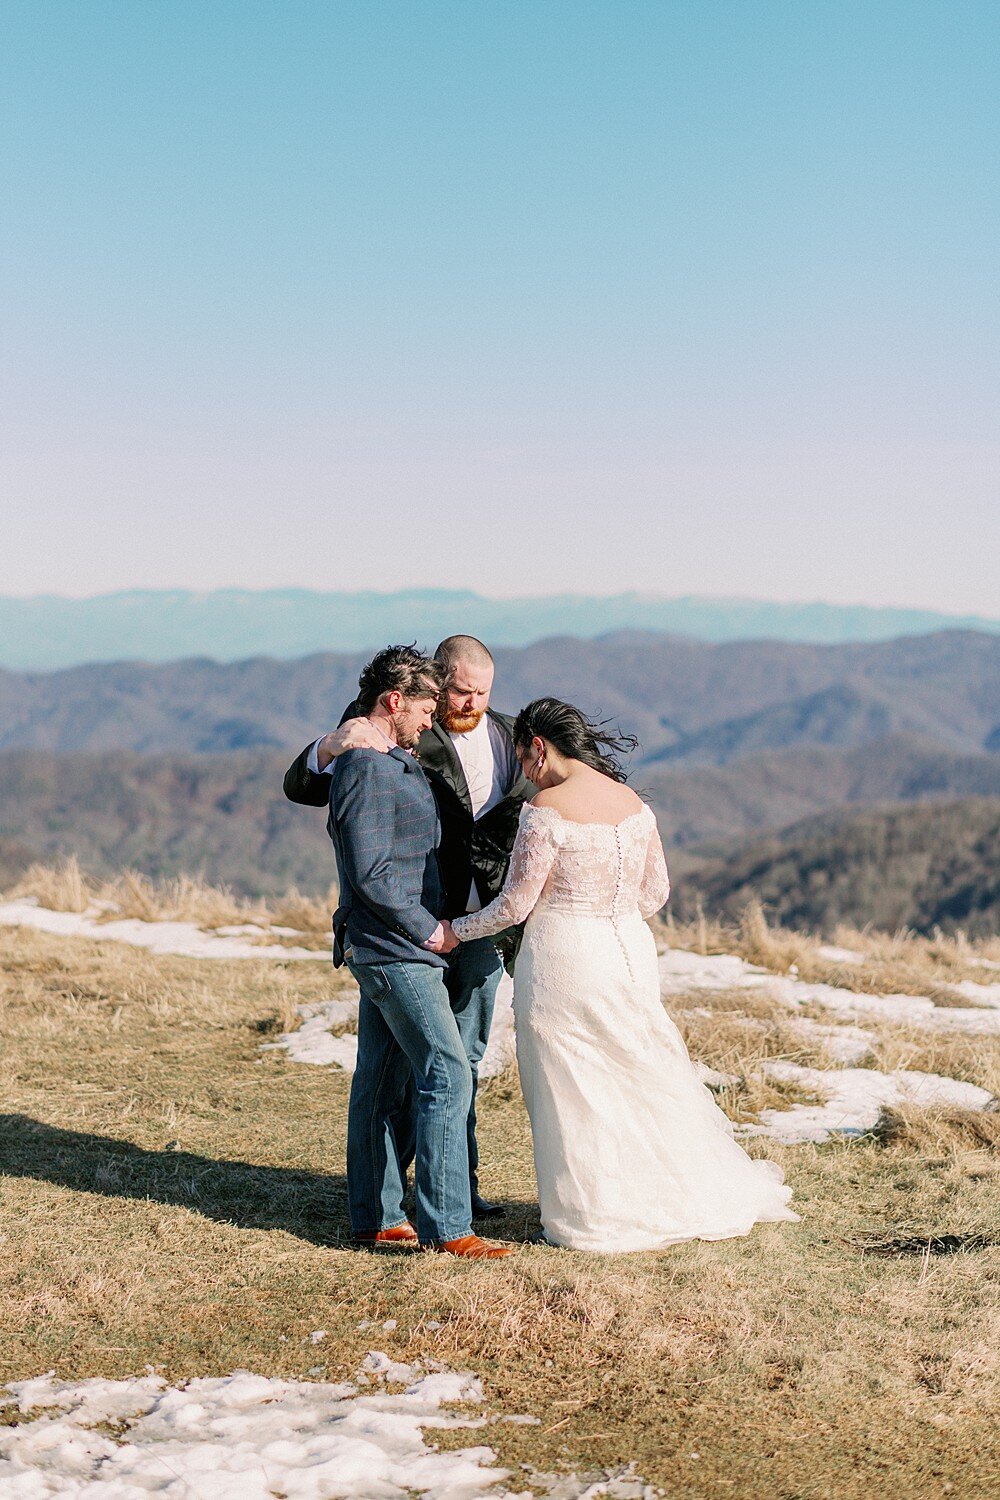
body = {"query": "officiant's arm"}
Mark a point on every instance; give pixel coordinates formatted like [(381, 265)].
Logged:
[(302, 784), (307, 779), (655, 887), (531, 860)]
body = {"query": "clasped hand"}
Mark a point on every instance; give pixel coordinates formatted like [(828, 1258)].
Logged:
[(447, 942)]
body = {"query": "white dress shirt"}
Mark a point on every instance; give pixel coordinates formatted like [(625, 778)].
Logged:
[(490, 767)]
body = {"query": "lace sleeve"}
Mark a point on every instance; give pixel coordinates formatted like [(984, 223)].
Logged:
[(655, 887), (531, 860)]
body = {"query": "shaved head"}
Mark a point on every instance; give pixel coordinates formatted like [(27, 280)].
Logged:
[(465, 649), (468, 679)]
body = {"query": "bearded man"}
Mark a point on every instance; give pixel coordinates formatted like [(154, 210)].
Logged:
[(468, 757)]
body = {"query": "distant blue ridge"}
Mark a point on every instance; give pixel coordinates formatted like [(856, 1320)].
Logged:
[(47, 632)]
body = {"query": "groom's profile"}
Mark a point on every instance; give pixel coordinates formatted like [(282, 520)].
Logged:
[(390, 931)]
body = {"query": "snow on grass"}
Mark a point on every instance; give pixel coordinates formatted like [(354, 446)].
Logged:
[(313, 1042), (242, 1436), (835, 955), (853, 1099), (183, 939), (843, 1043), (979, 994), (682, 972), (249, 1437)]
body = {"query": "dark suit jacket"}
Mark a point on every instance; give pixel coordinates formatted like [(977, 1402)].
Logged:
[(469, 849), (385, 829)]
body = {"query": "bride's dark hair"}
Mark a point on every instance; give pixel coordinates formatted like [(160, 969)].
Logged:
[(573, 735)]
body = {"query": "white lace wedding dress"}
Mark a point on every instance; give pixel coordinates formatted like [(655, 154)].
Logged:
[(631, 1151)]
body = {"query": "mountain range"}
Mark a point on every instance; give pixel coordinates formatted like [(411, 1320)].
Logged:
[(50, 631), (177, 767), (689, 702)]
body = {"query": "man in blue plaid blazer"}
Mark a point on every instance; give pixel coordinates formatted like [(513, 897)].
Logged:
[(389, 930)]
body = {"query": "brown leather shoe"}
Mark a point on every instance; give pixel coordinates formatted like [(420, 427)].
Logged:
[(471, 1247), (399, 1234)]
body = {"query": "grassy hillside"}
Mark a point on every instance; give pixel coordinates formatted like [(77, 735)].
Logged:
[(174, 1197), (705, 804), (223, 817), (918, 867)]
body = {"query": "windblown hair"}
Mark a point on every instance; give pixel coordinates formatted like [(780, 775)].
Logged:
[(573, 735), (456, 648), (399, 669)]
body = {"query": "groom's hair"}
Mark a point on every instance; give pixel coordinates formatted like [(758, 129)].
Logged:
[(456, 648), (399, 669)]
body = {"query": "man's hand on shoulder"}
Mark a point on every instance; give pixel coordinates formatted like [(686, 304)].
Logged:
[(353, 734)]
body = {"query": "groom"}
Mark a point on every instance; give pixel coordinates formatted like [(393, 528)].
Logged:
[(388, 927), (468, 757)]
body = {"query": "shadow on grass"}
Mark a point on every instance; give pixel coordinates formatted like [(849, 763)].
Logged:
[(307, 1204), (310, 1205)]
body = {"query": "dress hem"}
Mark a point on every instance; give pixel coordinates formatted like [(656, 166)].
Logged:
[(667, 1242)]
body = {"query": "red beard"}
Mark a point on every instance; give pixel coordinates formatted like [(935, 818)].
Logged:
[(459, 723)]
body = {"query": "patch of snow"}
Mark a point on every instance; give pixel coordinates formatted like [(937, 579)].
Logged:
[(313, 1043), (243, 1437), (682, 972), (254, 928), (840, 955), (911, 1010), (248, 1437), (500, 1047), (182, 939), (979, 994), (853, 1100), (844, 1043)]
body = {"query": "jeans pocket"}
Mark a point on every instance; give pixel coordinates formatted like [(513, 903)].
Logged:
[(380, 989)]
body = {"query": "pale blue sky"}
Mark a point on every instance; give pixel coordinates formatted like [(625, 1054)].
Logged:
[(686, 296)]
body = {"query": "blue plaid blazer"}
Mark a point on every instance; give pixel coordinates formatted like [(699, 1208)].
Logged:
[(385, 829)]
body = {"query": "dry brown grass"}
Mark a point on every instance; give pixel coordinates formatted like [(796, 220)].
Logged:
[(63, 886), (940, 1132), (973, 1059), (893, 963), (173, 1197), (183, 899)]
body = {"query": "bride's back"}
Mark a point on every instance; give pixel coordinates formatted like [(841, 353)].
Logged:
[(587, 796)]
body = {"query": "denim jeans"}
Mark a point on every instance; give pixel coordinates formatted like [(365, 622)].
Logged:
[(405, 1022), (471, 978)]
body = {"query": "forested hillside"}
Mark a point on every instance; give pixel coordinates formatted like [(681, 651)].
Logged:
[(918, 867)]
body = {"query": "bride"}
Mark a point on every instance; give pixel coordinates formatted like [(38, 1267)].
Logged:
[(631, 1151)]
